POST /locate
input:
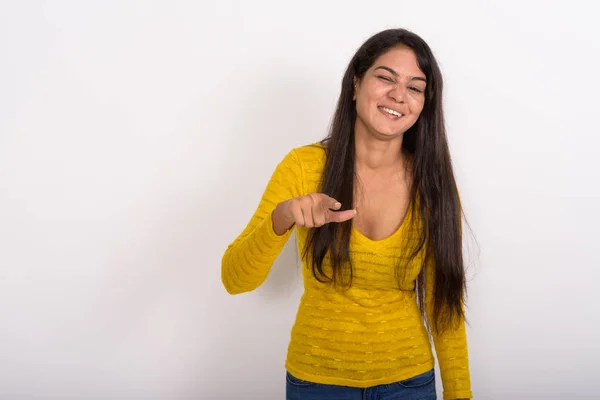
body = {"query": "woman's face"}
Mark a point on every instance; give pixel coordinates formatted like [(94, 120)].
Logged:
[(391, 94)]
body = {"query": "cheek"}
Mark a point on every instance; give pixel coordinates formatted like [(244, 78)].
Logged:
[(416, 106), (369, 100), (363, 107)]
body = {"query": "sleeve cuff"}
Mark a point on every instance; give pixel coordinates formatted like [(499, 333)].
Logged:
[(274, 237), (462, 394)]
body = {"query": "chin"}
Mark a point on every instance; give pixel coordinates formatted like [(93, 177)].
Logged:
[(391, 134)]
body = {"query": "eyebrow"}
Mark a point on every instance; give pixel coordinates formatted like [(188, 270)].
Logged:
[(412, 78)]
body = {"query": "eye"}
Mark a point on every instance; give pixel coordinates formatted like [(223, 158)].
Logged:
[(385, 78), (416, 90)]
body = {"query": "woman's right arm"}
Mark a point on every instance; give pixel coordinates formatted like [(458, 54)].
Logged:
[(248, 260)]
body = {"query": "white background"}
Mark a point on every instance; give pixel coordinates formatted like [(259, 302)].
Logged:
[(136, 138)]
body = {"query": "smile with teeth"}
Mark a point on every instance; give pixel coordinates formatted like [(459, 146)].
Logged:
[(390, 111)]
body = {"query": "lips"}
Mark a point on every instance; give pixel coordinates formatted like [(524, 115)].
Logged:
[(391, 112)]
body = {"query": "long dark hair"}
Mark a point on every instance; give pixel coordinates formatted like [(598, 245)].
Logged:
[(433, 197)]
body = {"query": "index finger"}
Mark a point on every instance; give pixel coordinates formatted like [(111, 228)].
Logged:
[(340, 216)]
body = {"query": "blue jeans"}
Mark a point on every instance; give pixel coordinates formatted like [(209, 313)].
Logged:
[(420, 387)]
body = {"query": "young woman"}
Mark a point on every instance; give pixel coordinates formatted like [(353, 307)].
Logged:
[(378, 222)]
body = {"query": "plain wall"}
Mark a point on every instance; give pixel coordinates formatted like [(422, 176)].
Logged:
[(136, 139)]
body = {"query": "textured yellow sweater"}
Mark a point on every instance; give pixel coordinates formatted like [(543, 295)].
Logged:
[(370, 334)]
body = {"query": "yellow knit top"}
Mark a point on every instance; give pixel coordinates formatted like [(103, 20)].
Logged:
[(370, 334)]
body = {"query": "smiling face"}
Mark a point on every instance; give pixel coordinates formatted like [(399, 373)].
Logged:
[(391, 94)]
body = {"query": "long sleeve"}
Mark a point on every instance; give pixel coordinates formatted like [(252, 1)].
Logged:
[(451, 349), (248, 260)]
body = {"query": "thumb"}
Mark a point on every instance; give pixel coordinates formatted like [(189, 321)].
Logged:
[(332, 203)]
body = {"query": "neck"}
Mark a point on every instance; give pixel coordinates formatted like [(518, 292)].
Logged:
[(378, 155)]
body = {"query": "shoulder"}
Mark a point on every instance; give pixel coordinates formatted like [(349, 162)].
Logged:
[(311, 160), (310, 155), (299, 160)]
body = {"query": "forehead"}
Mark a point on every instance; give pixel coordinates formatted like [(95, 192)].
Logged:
[(401, 59)]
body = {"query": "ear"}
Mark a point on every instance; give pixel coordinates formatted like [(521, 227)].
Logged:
[(354, 87)]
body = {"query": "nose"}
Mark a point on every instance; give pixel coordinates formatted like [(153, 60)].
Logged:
[(398, 93)]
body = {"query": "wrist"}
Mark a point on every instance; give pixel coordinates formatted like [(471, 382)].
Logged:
[(281, 223)]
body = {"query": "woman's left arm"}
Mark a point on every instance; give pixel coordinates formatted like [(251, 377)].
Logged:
[(451, 349)]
